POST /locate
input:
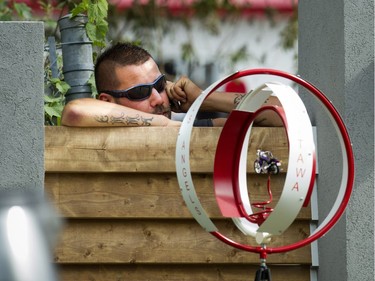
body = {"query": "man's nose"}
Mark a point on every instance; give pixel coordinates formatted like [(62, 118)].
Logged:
[(155, 98)]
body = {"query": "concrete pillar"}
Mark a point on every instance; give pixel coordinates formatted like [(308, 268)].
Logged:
[(22, 208), (21, 106), (336, 53)]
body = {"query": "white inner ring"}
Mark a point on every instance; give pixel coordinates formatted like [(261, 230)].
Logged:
[(301, 161)]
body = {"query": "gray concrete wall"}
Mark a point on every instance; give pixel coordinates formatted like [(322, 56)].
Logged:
[(336, 53), (21, 105)]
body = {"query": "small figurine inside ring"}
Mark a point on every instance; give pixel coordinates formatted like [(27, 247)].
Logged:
[(266, 163)]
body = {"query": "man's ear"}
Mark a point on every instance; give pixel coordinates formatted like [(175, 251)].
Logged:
[(106, 97)]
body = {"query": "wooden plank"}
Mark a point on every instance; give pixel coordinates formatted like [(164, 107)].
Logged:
[(144, 149), (186, 272), (166, 241), (146, 195)]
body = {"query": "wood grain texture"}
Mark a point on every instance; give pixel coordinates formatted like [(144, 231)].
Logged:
[(145, 149), (143, 195), (185, 272), (167, 241)]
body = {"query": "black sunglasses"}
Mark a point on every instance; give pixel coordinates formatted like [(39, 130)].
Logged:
[(139, 92)]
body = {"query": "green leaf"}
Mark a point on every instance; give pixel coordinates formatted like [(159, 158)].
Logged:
[(97, 12), (187, 51), (62, 87), (22, 10), (92, 13), (103, 8), (55, 110), (102, 29), (5, 12), (92, 84), (81, 8), (49, 99), (91, 31), (4, 16), (97, 32), (54, 80)]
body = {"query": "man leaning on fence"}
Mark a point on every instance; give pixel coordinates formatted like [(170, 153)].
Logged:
[(133, 92)]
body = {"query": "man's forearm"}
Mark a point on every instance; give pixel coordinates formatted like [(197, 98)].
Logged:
[(94, 113), (221, 101), (124, 119)]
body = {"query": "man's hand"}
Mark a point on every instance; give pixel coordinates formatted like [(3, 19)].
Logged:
[(182, 94)]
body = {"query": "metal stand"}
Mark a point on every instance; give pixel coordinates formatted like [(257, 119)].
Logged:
[(263, 273)]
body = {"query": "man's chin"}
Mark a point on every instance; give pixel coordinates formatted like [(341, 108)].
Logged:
[(167, 114)]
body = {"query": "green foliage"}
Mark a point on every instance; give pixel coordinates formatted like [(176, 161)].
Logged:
[(211, 12), (5, 12), (92, 84), (10, 10), (290, 33), (239, 55), (49, 11), (55, 101), (187, 51), (97, 26), (53, 108), (148, 22), (22, 10)]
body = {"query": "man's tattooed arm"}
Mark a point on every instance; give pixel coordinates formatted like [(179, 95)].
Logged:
[(136, 120), (146, 121), (237, 99)]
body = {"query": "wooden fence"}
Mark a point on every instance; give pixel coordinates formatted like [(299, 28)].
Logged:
[(125, 218)]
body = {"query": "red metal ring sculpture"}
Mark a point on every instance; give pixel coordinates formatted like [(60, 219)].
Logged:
[(347, 175)]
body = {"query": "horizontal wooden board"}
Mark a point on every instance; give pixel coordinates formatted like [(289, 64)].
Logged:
[(167, 241), (144, 149), (161, 272), (146, 195)]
